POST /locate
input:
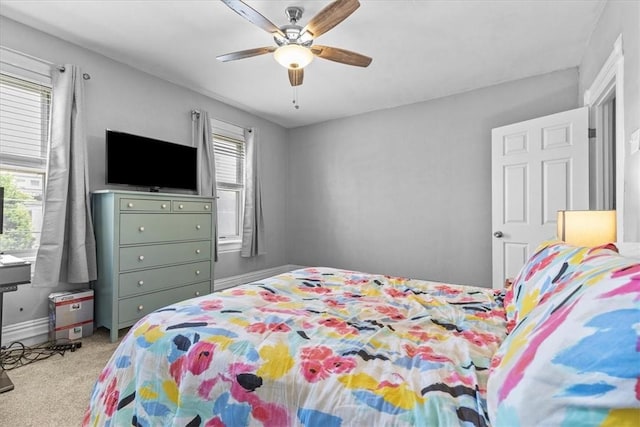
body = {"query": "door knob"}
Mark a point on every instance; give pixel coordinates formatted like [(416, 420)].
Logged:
[(498, 234)]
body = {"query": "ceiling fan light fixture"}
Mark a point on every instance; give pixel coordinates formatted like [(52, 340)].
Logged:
[(293, 56)]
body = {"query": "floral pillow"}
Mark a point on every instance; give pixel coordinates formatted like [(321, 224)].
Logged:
[(574, 358), (548, 271)]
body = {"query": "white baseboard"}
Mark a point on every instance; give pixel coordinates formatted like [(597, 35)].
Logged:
[(32, 332), (231, 281)]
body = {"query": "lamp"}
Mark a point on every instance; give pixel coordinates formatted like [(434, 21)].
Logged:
[(587, 228), (293, 56)]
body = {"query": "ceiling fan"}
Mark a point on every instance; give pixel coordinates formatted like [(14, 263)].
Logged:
[(295, 48)]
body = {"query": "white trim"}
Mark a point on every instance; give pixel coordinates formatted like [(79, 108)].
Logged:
[(30, 332), (227, 129), (610, 77), (606, 75), (230, 245), (223, 133), (25, 66), (231, 281)]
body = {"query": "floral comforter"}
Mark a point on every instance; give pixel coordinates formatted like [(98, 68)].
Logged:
[(312, 347)]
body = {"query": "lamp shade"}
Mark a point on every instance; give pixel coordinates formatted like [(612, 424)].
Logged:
[(587, 228), (293, 56)]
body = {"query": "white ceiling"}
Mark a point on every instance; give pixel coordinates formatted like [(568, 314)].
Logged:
[(421, 49)]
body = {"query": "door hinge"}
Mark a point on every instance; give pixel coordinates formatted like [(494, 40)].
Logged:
[(592, 133)]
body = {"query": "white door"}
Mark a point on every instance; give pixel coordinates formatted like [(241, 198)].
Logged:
[(539, 167)]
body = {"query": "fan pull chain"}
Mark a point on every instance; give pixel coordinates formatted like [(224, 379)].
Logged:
[(296, 105)]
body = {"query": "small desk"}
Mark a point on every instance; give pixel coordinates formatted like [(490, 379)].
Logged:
[(11, 275)]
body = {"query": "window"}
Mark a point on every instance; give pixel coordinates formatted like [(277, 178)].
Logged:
[(24, 139), (229, 148)]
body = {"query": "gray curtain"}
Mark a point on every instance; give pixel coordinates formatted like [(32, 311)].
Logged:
[(67, 250), (202, 139), (252, 224)]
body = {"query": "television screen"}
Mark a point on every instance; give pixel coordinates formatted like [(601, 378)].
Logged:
[(146, 162)]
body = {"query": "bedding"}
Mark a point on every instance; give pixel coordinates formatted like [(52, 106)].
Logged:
[(573, 355), (312, 347), (549, 270)]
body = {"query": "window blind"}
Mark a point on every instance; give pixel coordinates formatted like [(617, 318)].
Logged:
[(228, 145), (229, 155), (24, 122)]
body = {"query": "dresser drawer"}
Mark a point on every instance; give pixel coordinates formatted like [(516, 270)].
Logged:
[(145, 205), (148, 228), (170, 253), (157, 279), (189, 206), (132, 309)]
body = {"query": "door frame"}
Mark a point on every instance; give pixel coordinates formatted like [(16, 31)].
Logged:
[(609, 81)]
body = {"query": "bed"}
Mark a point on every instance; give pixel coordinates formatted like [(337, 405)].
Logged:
[(312, 347), (327, 347)]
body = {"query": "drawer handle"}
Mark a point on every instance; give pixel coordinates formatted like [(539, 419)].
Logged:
[(197, 272), (198, 227), (130, 205), (141, 229), (197, 251), (206, 207), (141, 258), (140, 307), (140, 282), (197, 293), (181, 206), (164, 206)]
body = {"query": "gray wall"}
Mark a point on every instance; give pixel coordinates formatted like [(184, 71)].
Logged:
[(403, 191), (407, 191), (123, 98), (621, 17)]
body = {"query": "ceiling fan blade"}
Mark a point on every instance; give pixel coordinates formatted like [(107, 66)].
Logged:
[(330, 16), (341, 55), (253, 16), (296, 75), (245, 53)]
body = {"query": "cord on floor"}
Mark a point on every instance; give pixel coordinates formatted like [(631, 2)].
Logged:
[(17, 354)]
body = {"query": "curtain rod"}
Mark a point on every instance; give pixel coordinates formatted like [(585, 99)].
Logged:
[(62, 69), (197, 114)]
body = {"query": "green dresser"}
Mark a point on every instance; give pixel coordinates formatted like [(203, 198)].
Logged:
[(154, 249)]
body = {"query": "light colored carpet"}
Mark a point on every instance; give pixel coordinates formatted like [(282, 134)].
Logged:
[(56, 391)]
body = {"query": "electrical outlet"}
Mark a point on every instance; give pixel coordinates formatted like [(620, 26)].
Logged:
[(634, 142)]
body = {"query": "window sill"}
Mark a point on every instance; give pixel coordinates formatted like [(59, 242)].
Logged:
[(27, 256), (229, 246)]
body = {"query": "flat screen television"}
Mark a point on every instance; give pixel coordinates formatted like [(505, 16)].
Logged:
[(139, 161)]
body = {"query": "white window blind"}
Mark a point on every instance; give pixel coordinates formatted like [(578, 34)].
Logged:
[(229, 154), (229, 150), (24, 134), (24, 121)]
